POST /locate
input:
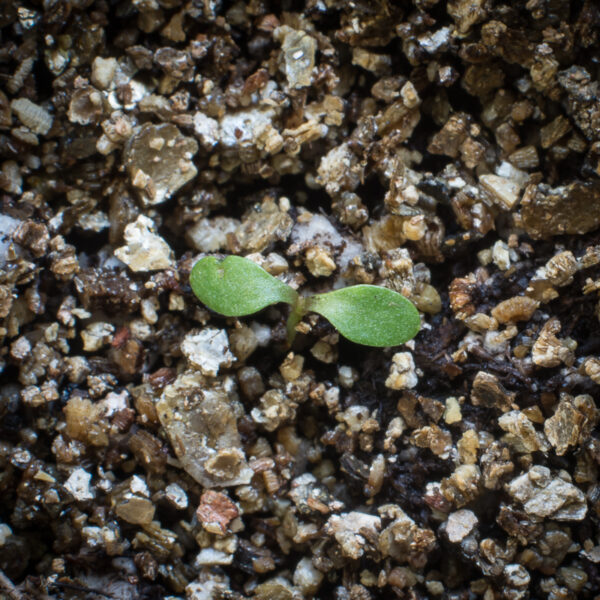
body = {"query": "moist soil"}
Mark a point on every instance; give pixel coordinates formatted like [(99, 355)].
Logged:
[(151, 448)]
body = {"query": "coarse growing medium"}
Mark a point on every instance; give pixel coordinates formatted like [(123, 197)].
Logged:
[(152, 447)]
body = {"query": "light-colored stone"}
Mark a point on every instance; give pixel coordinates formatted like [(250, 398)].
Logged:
[(501, 255), (307, 577), (210, 235), (159, 161), (504, 192), (319, 262), (201, 421), (32, 115), (176, 496), (521, 434), (103, 71), (460, 524), (402, 372), (210, 556), (452, 413), (346, 528), (95, 335), (545, 495), (207, 350), (144, 249), (298, 53), (78, 485)]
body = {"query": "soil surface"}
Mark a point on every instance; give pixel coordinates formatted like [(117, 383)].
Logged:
[(152, 448)]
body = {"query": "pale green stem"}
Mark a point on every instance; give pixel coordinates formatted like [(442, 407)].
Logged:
[(297, 311)]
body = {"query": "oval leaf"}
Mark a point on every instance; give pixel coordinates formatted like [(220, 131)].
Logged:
[(368, 314), (236, 286)]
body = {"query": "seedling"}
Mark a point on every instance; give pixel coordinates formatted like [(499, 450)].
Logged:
[(365, 314)]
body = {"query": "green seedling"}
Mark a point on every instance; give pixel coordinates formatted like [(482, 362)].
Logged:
[(365, 314)]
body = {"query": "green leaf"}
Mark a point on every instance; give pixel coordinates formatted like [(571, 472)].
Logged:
[(236, 286), (368, 314)]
